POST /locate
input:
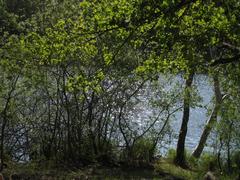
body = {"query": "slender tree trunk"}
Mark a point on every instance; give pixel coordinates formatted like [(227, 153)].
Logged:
[(229, 161), (70, 140), (180, 156), (2, 143), (4, 118), (212, 120), (90, 119), (219, 155)]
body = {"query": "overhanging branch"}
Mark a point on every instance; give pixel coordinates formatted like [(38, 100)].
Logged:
[(234, 59)]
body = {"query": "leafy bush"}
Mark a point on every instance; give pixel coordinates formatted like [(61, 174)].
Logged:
[(208, 162), (141, 153), (236, 160), (144, 150), (171, 154)]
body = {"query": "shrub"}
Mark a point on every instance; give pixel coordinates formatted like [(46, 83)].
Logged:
[(208, 162), (171, 154), (141, 153), (144, 150), (236, 160)]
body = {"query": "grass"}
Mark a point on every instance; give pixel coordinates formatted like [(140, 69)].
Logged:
[(167, 166), (197, 168)]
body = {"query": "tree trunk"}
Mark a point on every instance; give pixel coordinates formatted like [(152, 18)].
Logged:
[(212, 120), (180, 156), (3, 116), (2, 142), (219, 155), (229, 161)]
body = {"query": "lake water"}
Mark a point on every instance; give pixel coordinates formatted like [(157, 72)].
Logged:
[(198, 115)]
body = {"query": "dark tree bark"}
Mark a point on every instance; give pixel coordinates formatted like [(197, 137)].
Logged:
[(4, 118), (180, 155)]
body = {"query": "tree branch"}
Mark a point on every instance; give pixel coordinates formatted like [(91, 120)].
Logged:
[(226, 60)]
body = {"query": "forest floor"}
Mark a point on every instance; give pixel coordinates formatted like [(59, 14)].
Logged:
[(89, 172), (162, 169)]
